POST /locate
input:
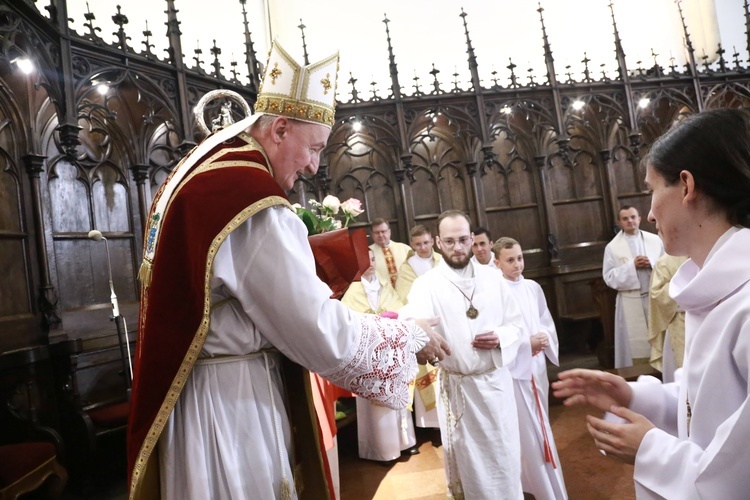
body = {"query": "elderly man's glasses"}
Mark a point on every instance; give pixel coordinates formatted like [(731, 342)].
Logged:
[(450, 242)]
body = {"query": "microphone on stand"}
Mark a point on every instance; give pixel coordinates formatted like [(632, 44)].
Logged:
[(98, 236)]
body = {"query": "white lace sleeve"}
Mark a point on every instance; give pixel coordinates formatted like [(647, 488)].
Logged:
[(382, 361)]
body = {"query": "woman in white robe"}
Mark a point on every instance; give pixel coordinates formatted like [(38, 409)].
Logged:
[(688, 439)]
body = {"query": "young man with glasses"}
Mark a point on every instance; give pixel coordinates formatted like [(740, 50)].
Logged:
[(477, 408)]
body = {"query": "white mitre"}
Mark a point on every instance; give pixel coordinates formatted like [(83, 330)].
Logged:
[(306, 93)]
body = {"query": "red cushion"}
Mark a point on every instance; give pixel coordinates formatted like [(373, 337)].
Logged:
[(18, 460), (110, 416)]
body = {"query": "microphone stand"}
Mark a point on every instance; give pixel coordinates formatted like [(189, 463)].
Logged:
[(122, 339)]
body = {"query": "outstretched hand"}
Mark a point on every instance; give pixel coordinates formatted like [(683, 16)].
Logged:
[(600, 389), (437, 347), (620, 441)]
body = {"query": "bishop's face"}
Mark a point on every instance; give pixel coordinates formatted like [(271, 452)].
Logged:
[(295, 150), (454, 241)]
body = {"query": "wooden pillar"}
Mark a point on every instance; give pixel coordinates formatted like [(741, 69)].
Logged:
[(47, 297)]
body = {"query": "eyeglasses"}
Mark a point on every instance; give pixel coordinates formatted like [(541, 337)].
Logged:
[(450, 242)]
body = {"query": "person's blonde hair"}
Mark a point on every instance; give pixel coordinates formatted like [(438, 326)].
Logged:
[(504, 242), (419, 230)]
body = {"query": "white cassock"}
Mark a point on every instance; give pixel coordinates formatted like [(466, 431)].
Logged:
[(410, 270), (632, 285), (541, 471), (381, 431), (477, 408), (705, 455), (229, 435), (491, 263)]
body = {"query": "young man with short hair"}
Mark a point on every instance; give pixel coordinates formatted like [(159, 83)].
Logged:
[(628, 260), (541, 471), (477, 408)]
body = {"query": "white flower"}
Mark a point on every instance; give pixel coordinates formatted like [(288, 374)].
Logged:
[(352, 207), (296, 206), (332, 203), (337, 224)]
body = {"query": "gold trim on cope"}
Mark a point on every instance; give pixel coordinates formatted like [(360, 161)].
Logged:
[(152, 437)]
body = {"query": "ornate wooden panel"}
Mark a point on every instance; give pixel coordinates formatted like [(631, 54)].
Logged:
[(362, 165), (18, 324), (510, 197), (440, 176)]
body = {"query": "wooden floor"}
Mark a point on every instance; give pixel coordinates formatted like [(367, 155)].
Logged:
[(588, 474)]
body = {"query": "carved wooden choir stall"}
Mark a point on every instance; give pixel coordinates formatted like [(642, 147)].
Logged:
[(89, 134)]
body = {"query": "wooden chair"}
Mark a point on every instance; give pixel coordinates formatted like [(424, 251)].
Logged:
[(25, 467), (86, 424), (30, 452)]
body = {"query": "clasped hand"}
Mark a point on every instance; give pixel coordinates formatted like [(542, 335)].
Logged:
[(539, 342), (642, 262), (486, 340)]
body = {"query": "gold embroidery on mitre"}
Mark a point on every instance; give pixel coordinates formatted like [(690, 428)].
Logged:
[(275, 73), (306, 93)]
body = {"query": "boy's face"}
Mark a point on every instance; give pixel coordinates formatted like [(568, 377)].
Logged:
[(510, 262)]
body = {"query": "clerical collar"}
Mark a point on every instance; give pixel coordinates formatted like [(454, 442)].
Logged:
[(465, 273)]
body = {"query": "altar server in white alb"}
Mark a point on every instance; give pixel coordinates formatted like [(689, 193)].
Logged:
[(483, 324), (628, 260), (382, 432), (689, 439), (541, 472)]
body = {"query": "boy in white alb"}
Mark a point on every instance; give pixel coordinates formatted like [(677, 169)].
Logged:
[(541, 473)]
